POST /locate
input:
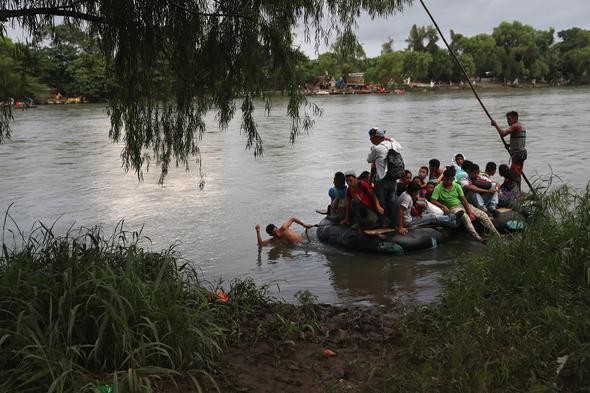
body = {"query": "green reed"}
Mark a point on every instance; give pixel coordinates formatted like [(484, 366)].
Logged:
[(86, 309), (508, 315)]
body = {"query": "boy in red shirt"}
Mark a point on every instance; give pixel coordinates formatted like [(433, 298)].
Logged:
[(361, 204)]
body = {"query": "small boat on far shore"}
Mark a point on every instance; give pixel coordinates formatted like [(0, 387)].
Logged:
[(26, 103)]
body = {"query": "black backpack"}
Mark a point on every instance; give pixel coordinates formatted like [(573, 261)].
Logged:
[(395, 165)]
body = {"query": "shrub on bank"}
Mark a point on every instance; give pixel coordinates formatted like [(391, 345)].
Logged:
[(516, 318), (83, 310)]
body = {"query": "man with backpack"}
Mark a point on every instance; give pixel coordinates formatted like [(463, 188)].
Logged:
[(387, 166)]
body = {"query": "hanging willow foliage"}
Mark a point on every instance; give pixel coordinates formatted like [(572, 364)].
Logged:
[(172, 61)]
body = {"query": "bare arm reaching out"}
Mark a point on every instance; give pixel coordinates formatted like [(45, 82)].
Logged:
[(292, 220), (261, 243)]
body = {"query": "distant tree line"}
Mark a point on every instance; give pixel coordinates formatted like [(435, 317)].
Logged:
[(69, 61), (512, 51), (61, 60)]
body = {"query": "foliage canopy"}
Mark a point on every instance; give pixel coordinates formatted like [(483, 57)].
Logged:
[(171, 61)]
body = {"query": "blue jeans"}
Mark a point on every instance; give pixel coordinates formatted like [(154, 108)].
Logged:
[(447, 220), (483, 201), (362, 216), (385, 193)]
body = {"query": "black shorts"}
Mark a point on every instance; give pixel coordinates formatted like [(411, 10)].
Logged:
[(519, 156)]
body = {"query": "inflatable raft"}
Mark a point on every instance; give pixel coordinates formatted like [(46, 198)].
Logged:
[(508, 221), (385, 243), (393, 243)]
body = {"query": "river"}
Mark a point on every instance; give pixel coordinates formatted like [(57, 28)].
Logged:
[(60, 167)]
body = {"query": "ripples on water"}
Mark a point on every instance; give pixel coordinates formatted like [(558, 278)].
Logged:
[(61, 165)]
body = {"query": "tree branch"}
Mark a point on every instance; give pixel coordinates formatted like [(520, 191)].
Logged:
[(60, 11), (207, 14), (72, 5), (7, 14)]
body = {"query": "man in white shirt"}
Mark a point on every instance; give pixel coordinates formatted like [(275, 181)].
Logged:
[(384, 185)]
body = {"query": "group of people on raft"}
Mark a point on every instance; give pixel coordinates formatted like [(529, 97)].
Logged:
[(460, 193)]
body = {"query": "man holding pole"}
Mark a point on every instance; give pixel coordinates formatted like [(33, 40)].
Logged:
[(518, 153), (515, 142)]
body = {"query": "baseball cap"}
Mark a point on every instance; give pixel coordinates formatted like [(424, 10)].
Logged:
[(349, 173), (377, 132)]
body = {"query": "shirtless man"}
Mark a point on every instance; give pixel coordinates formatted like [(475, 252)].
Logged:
[(283, 234)]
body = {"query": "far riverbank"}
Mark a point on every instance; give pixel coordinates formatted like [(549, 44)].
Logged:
[(419, 87)]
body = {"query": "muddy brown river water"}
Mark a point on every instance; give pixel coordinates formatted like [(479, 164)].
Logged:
[(61, 167)]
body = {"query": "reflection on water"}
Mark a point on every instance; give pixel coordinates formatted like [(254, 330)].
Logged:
[(61, 165), (385, 279)]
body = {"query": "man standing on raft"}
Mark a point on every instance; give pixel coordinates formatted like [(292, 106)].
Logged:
[(385, 186), (283, 234), (518, 153)]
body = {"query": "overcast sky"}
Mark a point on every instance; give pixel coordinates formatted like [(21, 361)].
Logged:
[(468, 17)]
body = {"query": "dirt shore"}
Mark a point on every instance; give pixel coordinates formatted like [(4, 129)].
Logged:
[(318, 348)]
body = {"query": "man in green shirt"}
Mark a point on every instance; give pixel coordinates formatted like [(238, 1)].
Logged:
[(450, 198)]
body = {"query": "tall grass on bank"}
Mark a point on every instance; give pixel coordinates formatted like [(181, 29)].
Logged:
[(81, 310), (515, 319)]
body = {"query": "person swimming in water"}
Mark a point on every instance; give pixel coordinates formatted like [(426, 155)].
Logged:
[(283, 233)]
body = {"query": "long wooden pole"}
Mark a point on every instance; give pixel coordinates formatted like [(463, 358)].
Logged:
[(506, 146)]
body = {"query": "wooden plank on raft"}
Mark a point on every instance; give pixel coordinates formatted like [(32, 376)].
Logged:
[(378, 231)]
